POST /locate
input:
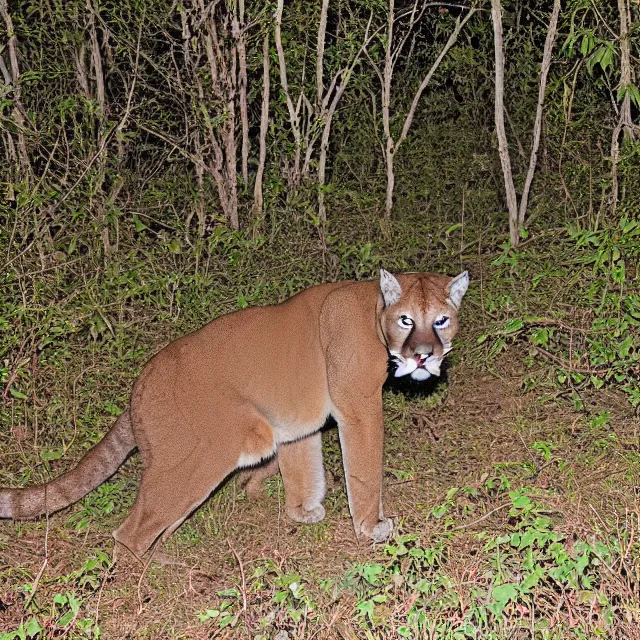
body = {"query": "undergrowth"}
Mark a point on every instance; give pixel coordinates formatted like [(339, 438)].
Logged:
[(493, 559)]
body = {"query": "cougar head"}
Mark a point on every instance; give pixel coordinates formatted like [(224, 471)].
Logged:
[(418, 319)]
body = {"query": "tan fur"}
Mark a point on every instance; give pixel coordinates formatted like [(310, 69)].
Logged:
[(260, 380)]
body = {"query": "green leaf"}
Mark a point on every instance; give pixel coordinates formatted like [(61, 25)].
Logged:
[(371, 572), (17, 394), (208, 615), (520, 502), (607, 57), (452, 492), (625, 346), (66, 618), (513, 325), (51, 454), (33, 628), (541, 337), (226, 621), (366, 609), (138, 224), (440, 510), (503, 593)]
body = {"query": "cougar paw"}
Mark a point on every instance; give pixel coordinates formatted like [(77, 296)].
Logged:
[(307, 516), (379, 532), (252, 480)]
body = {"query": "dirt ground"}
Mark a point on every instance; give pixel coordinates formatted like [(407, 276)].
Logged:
[(478, 424)]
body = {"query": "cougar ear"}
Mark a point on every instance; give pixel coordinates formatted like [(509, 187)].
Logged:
[(390, 288), (457, 287)]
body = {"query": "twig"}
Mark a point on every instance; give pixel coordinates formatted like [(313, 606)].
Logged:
[(571, 367), (36, 582), (484, 517), (145, 568), (546, 322), (242, 577)]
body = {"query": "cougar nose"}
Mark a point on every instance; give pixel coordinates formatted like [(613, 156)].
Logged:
[(423, 350)]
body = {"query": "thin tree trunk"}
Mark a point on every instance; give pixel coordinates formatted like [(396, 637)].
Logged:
[(625, 122), (322, 30), (96, 58), (324, 146), (23, 153), (231, 149), (238, 33), (222, 138), (391, 178), (264, 126), (503, 147), (386, 108), (100, 96), (327, 104), (615, 158), (294, 120), (625, 69), (537, 127)]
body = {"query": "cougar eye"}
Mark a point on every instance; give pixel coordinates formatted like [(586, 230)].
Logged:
[(405, 322), (441, 323)]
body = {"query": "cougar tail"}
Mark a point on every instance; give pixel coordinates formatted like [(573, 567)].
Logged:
[(98, 464)]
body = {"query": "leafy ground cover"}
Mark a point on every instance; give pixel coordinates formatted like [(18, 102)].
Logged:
[(514, 481)]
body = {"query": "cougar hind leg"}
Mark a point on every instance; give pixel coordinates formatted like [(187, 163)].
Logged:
[(251, 480), (166, 497), (169, 493), (303, 477)]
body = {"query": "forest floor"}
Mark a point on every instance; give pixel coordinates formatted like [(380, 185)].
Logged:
[(517, 516), (478, 433)]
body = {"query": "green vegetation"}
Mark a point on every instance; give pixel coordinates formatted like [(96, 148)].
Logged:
[(513, 484)]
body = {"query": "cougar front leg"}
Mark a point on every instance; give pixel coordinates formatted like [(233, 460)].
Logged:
[(361, 438)]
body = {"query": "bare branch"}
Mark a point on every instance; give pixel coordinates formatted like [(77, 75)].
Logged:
[(322, 29), (17, 111), (238, 34), (96, 57), (423, 85), (264, 125), (293, 117), (503, 147), (537, 127), (625, 69)]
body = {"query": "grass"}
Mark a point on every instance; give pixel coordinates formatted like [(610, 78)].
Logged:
[(513, 483)]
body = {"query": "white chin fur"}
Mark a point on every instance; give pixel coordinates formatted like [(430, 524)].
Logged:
[(405, 367), (420, 374), (432, 365)]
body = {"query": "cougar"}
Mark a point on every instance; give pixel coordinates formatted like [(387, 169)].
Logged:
[(265, 380)]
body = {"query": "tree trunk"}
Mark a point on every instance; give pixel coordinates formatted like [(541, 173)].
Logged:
[(264, 126), (503, 147)]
